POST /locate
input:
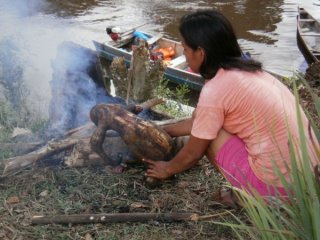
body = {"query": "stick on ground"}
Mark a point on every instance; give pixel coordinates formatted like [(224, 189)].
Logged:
[(114, 217), (124, 217)]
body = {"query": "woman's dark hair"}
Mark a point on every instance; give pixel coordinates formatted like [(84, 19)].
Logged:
[(212, 31)]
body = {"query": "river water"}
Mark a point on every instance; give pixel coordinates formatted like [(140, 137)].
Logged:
[(34, 28)]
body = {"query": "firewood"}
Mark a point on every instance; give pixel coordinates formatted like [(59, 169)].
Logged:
[(88, 129), (19, 148), (151, 103), (143, 138), (114, 147), (82, 155), (16, 164)]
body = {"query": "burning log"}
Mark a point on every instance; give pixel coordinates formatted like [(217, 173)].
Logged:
[(78, 140), (138, 138), (78, 144), (143, 138), (16, 164), (20, 148)]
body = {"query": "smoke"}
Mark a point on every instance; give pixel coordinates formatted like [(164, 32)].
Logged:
[(74, 88), (52, 83), (28, 42), (22, 9)]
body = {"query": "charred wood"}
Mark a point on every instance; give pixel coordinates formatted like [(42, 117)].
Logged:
[(78, 142)]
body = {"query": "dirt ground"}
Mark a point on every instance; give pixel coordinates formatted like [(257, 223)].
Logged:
[(51, 190), (55, 190)]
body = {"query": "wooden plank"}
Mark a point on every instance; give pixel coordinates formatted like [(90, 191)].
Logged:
[(154, 39), (310, 34), (177, 61), (306, 20)]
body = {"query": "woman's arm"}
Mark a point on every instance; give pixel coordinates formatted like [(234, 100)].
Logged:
[(179, 129), (185, 159)]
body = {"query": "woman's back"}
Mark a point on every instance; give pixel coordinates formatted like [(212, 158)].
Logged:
[(257, 108)]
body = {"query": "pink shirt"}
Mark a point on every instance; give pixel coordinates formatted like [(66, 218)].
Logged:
[(257, 108)]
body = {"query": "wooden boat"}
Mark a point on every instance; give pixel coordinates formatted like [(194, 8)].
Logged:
[(177, 69), (308, 36)]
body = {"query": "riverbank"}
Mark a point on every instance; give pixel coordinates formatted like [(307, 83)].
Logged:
[(48, 189)]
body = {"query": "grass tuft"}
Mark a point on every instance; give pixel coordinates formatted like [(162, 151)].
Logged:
[(176, 100)]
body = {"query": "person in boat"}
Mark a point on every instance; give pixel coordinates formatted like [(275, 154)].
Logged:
[(114, 33), (243, 115)]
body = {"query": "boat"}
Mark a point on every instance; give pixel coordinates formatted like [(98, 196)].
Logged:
[(177, 70), (308, 36)]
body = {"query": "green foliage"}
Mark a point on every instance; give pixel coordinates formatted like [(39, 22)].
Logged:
[(295, 218), (7, 116), (38, 125), (11, 117), (176, 106)]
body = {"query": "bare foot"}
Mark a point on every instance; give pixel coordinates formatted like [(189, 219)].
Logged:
[(228, 198)]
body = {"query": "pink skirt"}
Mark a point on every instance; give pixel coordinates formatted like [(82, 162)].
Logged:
[(232, 159)]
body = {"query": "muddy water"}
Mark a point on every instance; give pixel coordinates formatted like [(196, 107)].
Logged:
[(267, 29), (32, 30)]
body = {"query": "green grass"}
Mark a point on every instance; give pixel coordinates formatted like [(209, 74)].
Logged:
[(11, 119), (176, 98), (59, 190)]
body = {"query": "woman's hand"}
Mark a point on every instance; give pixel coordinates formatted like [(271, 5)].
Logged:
[(157, 169), (185, 159)]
